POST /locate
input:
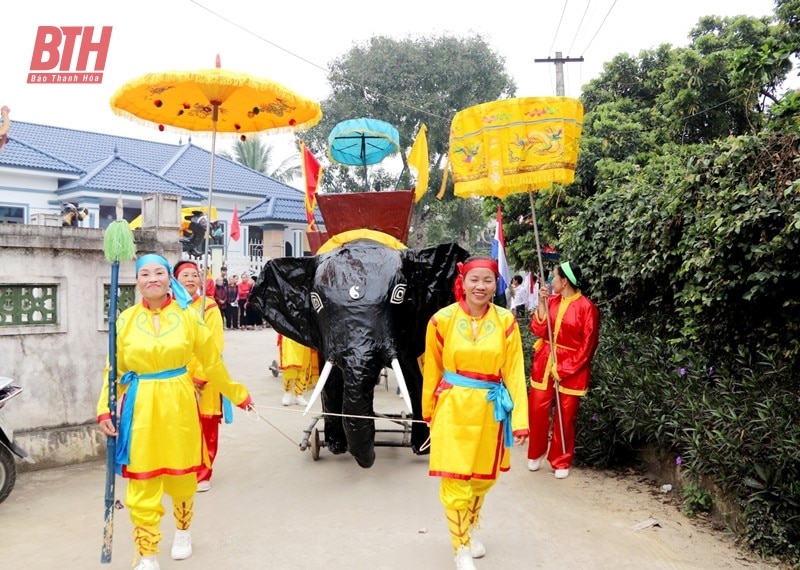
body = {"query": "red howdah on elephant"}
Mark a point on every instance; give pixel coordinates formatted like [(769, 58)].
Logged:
[(363, 301)]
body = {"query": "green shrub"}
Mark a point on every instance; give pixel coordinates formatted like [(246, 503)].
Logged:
[(734, 424)]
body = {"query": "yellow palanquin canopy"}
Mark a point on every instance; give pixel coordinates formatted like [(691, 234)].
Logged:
[(515, 145)]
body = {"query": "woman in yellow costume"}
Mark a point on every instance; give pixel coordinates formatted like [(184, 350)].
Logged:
[(213, 405), (300, 369), (474, 398), (160, 447)]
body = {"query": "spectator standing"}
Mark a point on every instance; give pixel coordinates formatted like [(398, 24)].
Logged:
[(232, 310), (221, 296), (245, 286)]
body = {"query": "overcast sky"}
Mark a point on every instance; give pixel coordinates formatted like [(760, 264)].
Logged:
[(291, 42)]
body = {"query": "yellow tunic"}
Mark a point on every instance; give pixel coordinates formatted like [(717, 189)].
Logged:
[(210, 397), (166, 436), (466, 441)]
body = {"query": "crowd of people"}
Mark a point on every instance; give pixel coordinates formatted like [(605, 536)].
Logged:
[(174, 389)]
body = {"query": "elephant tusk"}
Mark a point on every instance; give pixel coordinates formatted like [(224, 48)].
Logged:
[(401, 383), (323, 377)]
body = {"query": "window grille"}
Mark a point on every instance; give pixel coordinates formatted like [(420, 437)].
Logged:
[(28, 304), (127, 298)]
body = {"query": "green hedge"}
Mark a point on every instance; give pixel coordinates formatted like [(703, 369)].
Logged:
[(694, 264)]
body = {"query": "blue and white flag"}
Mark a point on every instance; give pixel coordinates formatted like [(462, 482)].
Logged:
[(499, 253)]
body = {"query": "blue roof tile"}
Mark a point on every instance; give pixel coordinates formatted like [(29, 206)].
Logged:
[(192, 165), (278, 209), (19, 153), (124, 176)]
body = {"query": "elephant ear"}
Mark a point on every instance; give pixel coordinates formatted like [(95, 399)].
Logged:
[(429, 275), (282, 295)]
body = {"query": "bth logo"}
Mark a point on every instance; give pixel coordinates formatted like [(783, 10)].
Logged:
[(52, 60)]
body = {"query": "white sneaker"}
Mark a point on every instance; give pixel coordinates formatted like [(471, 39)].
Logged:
[(536, 464), (562, 473), (287, 399), (476, 548), (148, 563), (181, 545), (464, 559), (300, 401), (203, 486)]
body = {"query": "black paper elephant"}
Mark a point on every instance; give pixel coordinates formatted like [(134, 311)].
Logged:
[(364, 306)]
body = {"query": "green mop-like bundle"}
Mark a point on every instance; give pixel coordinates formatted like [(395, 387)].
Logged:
[(118, 244)]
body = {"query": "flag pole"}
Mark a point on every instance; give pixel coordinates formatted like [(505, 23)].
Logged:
[(549, 325)]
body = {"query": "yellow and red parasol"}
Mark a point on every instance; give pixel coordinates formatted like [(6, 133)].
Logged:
[(214, 100), (516, 145)]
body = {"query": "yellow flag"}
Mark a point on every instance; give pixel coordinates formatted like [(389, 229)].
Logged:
[(418, 158)]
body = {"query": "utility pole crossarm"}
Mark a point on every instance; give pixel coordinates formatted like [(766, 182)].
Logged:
[(559, 62)]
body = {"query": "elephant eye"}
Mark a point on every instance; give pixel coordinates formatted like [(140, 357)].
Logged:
[(398, 294), (316, 302)]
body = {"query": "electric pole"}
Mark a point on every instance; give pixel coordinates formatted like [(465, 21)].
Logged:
[(559, 61)]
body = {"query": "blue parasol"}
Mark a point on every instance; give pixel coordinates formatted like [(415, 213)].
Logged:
[(359, 142)]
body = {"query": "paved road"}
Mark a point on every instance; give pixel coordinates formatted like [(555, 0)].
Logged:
[(272, 506)]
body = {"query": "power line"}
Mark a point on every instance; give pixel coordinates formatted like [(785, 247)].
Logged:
[(600, 28), (311, 63), (558, 28), (575, 37)]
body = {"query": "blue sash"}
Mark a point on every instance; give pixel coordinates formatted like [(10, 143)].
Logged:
[(123, 451), (227, 410), (497, 394)]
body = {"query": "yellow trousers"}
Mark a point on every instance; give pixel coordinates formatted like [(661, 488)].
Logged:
[(295, 380), (143, 498), (462, 502)]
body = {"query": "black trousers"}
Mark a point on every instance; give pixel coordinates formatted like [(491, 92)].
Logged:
[(232, 316)]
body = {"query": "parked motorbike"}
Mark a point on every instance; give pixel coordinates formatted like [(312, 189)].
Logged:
[(8, 466)]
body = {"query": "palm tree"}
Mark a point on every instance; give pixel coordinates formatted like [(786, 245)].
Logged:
[(258, 155)]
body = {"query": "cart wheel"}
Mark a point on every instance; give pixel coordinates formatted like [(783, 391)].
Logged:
[(274, 368), (315, 444)]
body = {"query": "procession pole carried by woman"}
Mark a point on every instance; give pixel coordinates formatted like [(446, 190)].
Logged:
[(474, 398), (561, 372), (160, 448)]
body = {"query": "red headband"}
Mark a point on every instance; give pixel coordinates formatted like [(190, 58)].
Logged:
[(464, 268), (182, 263)]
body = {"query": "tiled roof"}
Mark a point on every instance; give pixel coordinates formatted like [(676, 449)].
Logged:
[(116, 172), (278, 209), (122, 164), (191, 168), (84, 147), (19, 153)]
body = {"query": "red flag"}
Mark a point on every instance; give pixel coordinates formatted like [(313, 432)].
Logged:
[(236, 232), (312, 171)]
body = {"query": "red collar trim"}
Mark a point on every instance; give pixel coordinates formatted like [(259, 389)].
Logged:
[(166, 302)]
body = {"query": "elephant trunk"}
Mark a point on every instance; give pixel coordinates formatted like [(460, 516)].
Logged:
[(361, 374)]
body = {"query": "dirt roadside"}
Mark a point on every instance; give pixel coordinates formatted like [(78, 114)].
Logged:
[(273, 506)]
